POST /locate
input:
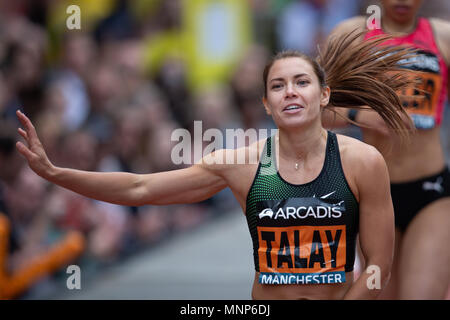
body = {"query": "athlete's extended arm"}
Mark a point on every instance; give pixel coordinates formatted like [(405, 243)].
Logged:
[(188, 185), (376, 226)]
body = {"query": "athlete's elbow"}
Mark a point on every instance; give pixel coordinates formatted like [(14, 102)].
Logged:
[(139, 193)]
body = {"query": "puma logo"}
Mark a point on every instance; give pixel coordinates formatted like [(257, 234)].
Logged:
[(436, 186)]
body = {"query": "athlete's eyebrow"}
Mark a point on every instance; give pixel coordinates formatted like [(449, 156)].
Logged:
[(295, 77)]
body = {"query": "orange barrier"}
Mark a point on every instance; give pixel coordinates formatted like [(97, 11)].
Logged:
[(57, 256)]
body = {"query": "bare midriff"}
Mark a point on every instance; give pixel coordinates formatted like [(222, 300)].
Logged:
[(419, 157)]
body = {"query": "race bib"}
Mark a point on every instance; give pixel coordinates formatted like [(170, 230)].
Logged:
[(422, 102), (301, 241)]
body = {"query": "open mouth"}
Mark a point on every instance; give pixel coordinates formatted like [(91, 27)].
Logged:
[(293, 108)]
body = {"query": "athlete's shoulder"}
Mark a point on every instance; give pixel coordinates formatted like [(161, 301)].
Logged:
[(441, 30), (359, 155), (349, 25), (349, 142), (440, 24)]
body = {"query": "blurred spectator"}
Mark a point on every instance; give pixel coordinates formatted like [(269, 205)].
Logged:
[(214, 106), (70, 77), (10, 167), (263, 18), (23, 66), (247, 86), (27, 254), (172, 80), (28, 216), (303, 24)]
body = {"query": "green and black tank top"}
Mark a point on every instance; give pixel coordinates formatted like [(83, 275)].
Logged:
[(302, 234)]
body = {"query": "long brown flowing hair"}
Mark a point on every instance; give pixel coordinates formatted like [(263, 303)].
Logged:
[(361, 75)]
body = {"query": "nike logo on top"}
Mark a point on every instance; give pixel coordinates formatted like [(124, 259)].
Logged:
[(327, 195)]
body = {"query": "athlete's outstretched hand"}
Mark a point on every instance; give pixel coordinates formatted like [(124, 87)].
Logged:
[(34, 151)]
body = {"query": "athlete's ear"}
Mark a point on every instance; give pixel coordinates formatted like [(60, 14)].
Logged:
[(266, 106), (325, 96)]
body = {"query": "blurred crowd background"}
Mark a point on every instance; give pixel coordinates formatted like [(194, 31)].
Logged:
[(107, 98)]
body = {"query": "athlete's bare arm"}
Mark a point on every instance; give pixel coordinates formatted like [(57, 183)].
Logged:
[(376, 226), (188, 185), (441, 29)]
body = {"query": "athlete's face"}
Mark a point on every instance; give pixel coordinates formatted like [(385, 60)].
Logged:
[(294, 96), (401, 11)]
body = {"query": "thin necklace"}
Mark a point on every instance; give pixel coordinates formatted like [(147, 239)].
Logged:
[(296, 166)]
